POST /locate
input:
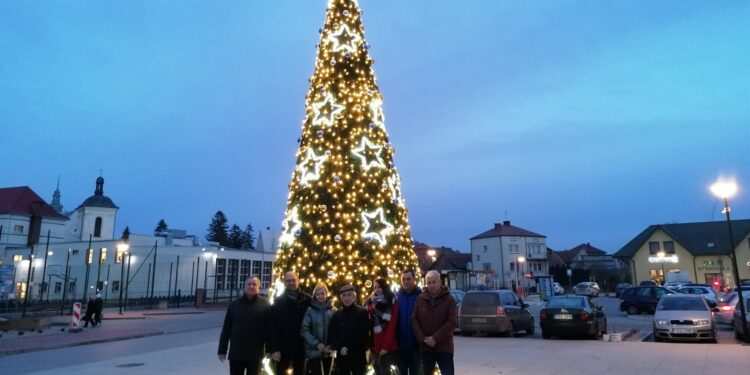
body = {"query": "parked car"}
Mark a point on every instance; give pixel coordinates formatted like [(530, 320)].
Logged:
[(587, 288), (498, 311), (648, 283), (620, 287), (739, 332), (702, 289), (558, 288), (684, 317), (642, 299), (572, 316), (458, 295), (726, 308)]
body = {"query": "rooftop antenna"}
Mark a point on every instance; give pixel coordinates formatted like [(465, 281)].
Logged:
[(506, 215), (100, 172)]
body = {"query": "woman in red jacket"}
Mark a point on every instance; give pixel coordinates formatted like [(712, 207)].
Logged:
[(382, 307)]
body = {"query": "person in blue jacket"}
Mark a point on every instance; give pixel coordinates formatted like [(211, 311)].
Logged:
[(408, 358)]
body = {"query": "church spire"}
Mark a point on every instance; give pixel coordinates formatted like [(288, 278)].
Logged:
[(99, 186), (56, 198)]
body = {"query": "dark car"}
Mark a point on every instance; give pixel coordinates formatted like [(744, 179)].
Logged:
[(572, 316), (497, 311), (648, 283), (620, 287), (641, 299)]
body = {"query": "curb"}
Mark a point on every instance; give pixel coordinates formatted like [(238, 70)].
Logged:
[(175, 313), (80, 343)]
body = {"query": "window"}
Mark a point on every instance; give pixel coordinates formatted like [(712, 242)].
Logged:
[(98, 227), (512, 266), (535, 248), (102, 255), (486, 266), (484, 248), (18, 229), (653, 247), (513, 248), (668, 247), (233, 273), (244, 270), (116, 286), (221, 266), (118, 257), (17, 257), (58, 287), (266, 278), (99, 286), (536, 267), (643, 292)]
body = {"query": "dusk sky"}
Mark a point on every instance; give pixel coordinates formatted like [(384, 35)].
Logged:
[(584, 121)]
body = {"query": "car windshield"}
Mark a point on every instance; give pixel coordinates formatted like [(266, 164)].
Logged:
[(572, 303), (683, 304)]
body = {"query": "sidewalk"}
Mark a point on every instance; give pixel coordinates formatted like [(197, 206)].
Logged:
[(487, 356), (58, 335)]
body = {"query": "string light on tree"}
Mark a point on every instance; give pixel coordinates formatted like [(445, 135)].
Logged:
[(345, 221)]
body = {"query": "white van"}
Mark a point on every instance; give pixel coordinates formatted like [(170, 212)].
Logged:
[(676, 278)]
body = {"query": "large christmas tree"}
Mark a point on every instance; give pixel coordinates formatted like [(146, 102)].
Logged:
[(345, 221)]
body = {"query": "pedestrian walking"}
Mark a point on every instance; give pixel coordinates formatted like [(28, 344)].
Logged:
[(382, 310), (408, 359), (434, 320), (349, 333), (245, 331), (286, 343), (98, 309), (88, 317), (315, 333)]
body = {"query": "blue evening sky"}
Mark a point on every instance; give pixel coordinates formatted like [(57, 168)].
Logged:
[(585, 121)]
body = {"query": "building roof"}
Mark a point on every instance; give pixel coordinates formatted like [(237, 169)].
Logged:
[(568, 255), (702, 238), (453, 261), (99, 199), (504, 229), (21, 201), (424, 258)]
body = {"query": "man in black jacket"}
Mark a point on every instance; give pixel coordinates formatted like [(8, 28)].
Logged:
[(349, 334), (286, 344), (246, 328)]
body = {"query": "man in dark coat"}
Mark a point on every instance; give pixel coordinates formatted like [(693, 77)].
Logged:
[(408, 347), (349, 334), (89, 316), (98, 309), (433, 321), (245, 331), (286, 344)]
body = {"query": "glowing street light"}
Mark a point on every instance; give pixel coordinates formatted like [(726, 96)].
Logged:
[(725, 189)]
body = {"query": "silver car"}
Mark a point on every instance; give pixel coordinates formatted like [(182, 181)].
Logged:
[(684, 317), (587, 288)]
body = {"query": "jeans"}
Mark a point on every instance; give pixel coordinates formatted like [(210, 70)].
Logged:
[(408, 361), (443, 360)]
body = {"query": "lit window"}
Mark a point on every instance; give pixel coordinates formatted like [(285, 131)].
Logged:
[(17, 257)]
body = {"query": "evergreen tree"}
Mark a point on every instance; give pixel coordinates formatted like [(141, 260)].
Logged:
[(248, 238), (235, 237), (161, 227), (345, 221), (125, 234), (218, 229)]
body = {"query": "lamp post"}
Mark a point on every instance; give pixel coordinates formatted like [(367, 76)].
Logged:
[(519, 259), (661, 255), (122, 250), (725, 189), (65, 283)]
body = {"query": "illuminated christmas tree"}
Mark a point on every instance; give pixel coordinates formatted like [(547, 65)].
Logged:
[(346, 221)]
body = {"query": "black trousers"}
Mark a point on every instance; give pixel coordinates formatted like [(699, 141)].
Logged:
[(443, 360), (297, 365), (351, 364), (318, 366), (408, 361), (244, 367)]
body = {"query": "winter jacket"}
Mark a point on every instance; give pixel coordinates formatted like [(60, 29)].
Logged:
[(315, 327), (287, 312), (383, 338), (405, 332), (435, 317), (245, 329), (350, 328)]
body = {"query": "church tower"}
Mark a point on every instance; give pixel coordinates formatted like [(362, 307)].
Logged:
[(56, 198), (95, 216)]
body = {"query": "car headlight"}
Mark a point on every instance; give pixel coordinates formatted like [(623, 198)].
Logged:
[(701, 322), (661, 322)]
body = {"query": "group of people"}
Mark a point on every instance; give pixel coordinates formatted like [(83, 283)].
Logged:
[(94, 308), (407, 330)]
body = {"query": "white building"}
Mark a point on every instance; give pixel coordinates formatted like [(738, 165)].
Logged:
[(83, 257), (499, 250)]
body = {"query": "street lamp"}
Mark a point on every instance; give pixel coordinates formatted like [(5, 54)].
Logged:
[(725, 189), (122, 250), (661, 255), (520, 259)]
